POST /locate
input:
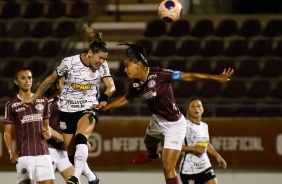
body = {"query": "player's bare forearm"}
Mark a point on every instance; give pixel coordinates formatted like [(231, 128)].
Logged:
[(110, 86), (223, 77), (117, 103), (8, 138), (45, 85)]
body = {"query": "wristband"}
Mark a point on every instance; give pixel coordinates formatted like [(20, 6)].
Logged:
[(103, 97)]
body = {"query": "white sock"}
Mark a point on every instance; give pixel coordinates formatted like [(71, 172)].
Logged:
[(88, 173), (80, 159)]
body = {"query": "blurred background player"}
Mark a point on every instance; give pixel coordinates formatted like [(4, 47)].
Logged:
[(195, 166), (57, 150), (31, 123), (154, 86), (80, 101)]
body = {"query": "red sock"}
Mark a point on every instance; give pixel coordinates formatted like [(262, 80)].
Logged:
[(172, 180)]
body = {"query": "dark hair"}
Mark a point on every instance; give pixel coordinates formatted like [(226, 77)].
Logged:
[(97, 45), (136, 52), (191, 100), (16, 87)]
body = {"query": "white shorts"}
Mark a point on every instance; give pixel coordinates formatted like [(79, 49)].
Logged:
[(173, 133), (60, 159), (31, 167)]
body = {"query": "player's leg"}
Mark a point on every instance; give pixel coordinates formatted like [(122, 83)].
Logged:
[(64, 166), (169, 161), (212, 181), (44, 170), (25, 170)]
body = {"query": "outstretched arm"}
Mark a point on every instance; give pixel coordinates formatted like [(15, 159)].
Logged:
[(46, 84), (220, 160), (121, 101), (223, 77)]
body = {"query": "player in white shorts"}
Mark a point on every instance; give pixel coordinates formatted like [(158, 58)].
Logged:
[(153, 85), (32, 158), (195, 166), (80, 100)]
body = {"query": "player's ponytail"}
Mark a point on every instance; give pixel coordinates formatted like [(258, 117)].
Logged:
[(135, 51), (97, 45)]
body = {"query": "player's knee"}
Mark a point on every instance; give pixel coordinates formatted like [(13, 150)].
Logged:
[(80, 139)]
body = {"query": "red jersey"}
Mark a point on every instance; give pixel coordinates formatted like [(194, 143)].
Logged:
[(28, 122), (54, 123), (157, 92)]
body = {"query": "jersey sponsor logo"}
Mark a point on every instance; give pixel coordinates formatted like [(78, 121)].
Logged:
[(20, 109), (151, 83), (31, 118), (16, 104), (176, 75), (39, 107), (63, 125), (76, 104), (39, 100), (205, 144), (149, 95), (199, 165), (152, 76), (191, 181), (81, 86)]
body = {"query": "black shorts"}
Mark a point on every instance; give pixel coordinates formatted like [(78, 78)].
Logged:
[(199, 178), (68, 120)]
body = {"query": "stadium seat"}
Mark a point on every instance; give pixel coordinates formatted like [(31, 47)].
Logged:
[(259, 89), (50, 48), (185, 89), (155, 63), (179, 28), (177, 64), (213, 47), (3, 29), (209, 89), (227, 27), (56, 10), (277, 50), (38, 68), (234, 89), (33, 10), (10, 10), (203, 28), (19, 29), (64, 29), (246, 110), (78, 9), (10, 68), (250, 28), (248, 68), (222, 64), (42, 29), (271, 109), (277, 91), (261, 47), (273, 28), (272, 68), (189, 47), (155, 28), (7, 48), (165, 48), (236, 48), (200, 66), (27, 48)]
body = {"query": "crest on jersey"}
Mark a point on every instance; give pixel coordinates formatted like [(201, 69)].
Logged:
[(151, 83), (63, 125), (39, 107)]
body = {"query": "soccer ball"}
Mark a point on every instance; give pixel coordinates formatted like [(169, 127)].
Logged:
[(170, 10)]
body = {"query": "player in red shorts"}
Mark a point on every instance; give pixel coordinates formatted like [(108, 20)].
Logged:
[(31, 124), (168, 124)]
